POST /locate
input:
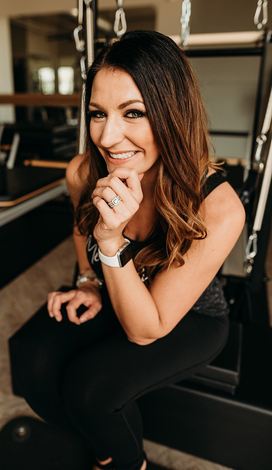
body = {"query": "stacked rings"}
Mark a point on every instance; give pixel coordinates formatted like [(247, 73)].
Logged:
[(114, 202)]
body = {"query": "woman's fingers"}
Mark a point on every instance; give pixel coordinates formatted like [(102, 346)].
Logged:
[(55, 301), (131, 179), (74, 299), (105, 193), (71, 309), (91, 312), (81, 298), (124, 182)]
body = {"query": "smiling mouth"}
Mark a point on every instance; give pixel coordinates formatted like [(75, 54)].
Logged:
[(122, 156)]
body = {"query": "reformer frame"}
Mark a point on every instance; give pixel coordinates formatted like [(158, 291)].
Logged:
[(237, 45)]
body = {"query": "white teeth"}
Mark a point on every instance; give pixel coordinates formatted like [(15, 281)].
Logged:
[(122, 155)]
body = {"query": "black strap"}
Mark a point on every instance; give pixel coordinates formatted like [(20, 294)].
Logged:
[(213, 181)]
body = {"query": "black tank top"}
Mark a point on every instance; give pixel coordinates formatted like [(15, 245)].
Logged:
[(212, 302)]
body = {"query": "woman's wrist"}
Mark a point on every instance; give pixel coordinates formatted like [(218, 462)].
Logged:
[(82, 271), (110, 247), (90, 285)]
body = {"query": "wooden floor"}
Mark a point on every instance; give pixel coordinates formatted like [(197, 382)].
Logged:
[(21, 299)]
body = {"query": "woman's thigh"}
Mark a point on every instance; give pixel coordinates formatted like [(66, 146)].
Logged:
[(48, 345), (114, 371)]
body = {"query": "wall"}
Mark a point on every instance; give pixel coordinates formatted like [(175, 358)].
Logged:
[(32, 7), (6, 75)]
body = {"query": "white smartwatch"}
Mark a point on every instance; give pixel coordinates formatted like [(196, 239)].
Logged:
[(120, 259)]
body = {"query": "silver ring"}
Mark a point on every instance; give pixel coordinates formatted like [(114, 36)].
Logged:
[(115, 201)]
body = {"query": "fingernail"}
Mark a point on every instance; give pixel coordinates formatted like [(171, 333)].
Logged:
[(83, 319), (51, 314), (58, 318)]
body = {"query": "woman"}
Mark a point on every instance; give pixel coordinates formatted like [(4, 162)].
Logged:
[(159, 221)]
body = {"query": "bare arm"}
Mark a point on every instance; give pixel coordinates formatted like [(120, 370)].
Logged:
[(88, 293), (147, 315), (74, 188)]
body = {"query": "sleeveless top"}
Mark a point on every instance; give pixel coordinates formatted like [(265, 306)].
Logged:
[(212, 302)]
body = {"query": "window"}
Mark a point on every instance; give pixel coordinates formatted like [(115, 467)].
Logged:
[(46, 77), (66, 80)]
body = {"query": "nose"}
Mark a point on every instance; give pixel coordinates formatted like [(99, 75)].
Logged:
[(112, 133)]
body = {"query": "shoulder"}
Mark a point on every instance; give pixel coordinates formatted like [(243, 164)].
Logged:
[(72, 174), (222, 210), (74, 177)]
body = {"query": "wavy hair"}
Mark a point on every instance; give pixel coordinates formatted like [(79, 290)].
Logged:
[(176, 114)]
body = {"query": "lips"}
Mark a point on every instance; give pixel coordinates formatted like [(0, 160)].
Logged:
[(122, 156)]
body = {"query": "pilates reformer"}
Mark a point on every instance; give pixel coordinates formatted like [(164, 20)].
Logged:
[(20, 180), (33, 157), (254, 191)]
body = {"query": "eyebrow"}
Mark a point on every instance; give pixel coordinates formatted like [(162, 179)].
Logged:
[(121, 106)]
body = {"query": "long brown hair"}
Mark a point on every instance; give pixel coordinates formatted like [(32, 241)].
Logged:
[(176, 114)]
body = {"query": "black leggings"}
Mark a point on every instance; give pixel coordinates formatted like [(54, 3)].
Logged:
[(85, 379)]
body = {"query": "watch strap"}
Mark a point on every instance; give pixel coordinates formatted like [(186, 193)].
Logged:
[(116, 260)]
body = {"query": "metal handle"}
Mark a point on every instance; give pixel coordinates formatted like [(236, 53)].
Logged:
[(13, 151), (251, 248), (251, 252), (82, 63)]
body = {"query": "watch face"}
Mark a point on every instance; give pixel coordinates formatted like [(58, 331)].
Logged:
[(126, 255)]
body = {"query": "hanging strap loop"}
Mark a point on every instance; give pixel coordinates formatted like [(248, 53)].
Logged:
[(120, 24), (185, 21), (262, 8)]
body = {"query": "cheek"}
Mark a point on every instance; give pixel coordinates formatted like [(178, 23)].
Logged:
[(94, 133), (153, 146), (149, 139), (91, 131)]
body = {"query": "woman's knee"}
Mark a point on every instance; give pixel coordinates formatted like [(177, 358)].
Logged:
[(33, 366)]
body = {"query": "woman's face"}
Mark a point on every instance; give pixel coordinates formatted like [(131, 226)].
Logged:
[(119, 126)]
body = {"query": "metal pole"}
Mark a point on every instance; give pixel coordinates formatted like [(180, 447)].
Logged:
[(89, 33), (90, 28)]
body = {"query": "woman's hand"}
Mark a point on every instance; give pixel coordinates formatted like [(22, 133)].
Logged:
[(126, 184), (87, 295)]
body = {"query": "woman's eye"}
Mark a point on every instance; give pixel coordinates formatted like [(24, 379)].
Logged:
[(96, 114), (134, 114)]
